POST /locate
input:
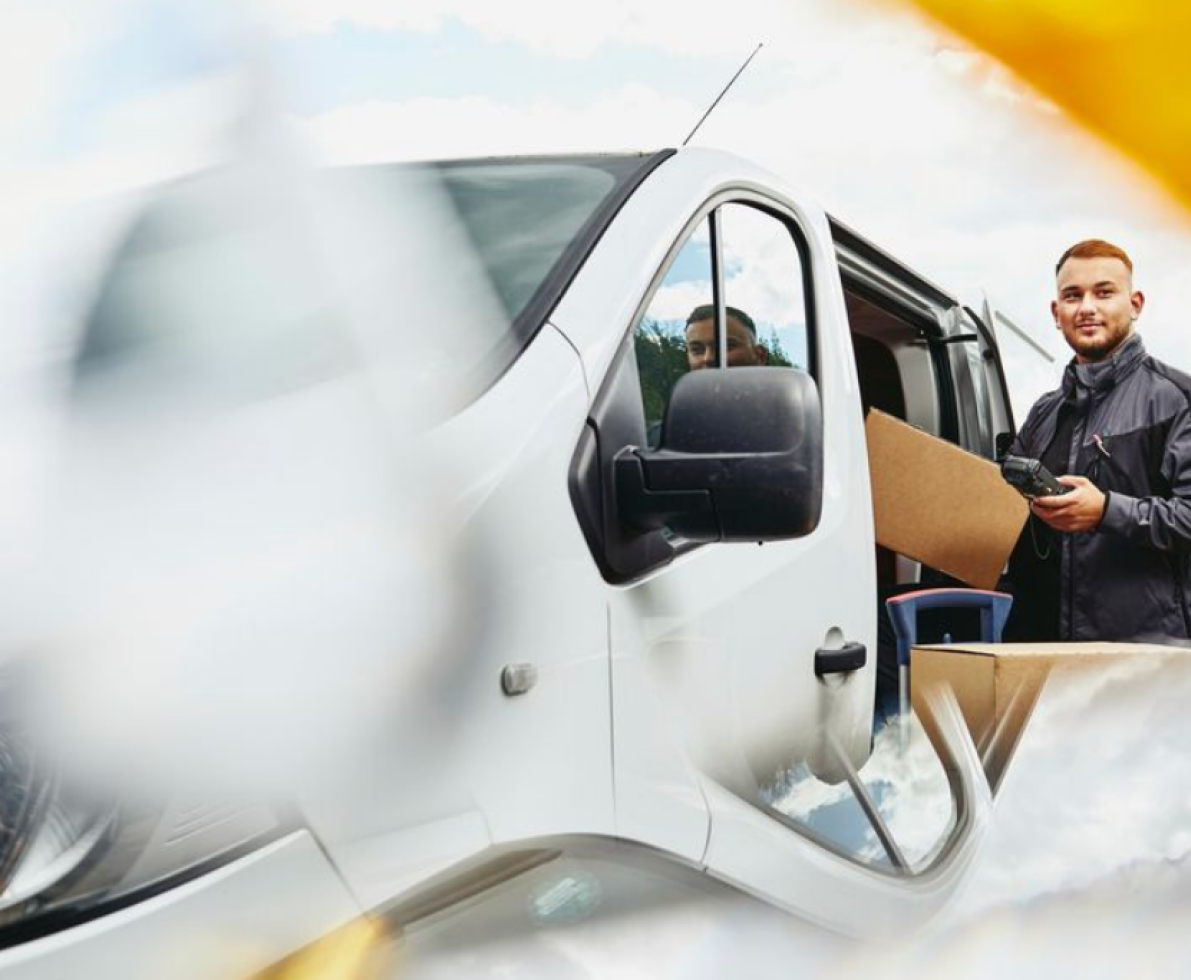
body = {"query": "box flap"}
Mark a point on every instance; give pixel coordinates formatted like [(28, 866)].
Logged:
[(1061, 651), (996, 685), (939, 504)]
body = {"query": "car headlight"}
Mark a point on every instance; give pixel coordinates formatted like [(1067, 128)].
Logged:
[(69, 851)]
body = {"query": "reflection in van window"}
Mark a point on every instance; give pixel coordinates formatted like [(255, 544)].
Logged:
[(763, 275), (661, 337)]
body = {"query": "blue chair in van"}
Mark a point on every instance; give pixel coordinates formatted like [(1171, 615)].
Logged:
[(904, 611)]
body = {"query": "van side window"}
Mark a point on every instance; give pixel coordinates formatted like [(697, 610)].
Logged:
[(660, 339), (764, 280), (752, 259)]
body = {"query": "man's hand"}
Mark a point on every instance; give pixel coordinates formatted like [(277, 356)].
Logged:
[(1080, 509)]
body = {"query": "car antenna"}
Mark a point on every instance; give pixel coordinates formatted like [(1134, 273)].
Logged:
[(731, 82)]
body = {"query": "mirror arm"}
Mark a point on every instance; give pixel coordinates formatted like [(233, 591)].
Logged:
[(648, 510)]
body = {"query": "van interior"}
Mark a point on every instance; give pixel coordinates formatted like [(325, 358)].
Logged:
[(897, 375)]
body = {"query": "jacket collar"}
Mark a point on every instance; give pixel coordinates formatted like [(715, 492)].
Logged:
[(1095, 377)]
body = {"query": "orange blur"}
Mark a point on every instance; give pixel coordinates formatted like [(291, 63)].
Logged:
[(1120, 67), (362, 950)]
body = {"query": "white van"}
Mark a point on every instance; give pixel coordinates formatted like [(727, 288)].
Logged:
[(668, 653)]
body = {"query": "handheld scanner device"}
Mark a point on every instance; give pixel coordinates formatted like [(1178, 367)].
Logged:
[(1030, 478)]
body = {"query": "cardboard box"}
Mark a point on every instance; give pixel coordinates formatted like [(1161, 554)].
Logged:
[(997, 685), (940, 505)]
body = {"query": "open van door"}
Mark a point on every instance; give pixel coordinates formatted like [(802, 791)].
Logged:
[(1029, 357), (987, 325)]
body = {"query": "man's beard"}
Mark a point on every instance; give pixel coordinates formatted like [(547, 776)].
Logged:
[(1103, 350)]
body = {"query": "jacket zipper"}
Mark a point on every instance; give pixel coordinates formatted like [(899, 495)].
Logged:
[(1067, 555)]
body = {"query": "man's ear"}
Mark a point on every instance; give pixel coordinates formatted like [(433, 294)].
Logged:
[(1054, 311), (762, 354), (1137, 301)]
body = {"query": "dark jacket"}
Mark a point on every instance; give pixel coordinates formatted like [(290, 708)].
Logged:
[(1129, 579)]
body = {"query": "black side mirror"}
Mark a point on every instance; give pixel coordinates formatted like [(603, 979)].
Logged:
[(741, 459)]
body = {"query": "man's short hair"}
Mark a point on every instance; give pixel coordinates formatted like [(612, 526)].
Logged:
[(1094, 248), (707, 312)]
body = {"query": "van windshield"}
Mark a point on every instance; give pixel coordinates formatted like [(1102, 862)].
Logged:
[(244, 281), (522, 216)]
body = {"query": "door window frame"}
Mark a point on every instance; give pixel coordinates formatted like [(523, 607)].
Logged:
[(613, 424)]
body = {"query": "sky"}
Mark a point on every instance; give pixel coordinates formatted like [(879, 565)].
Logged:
[(923, 144), (907, 134)]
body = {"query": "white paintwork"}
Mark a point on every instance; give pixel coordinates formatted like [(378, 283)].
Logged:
[(229, 923), (659, 707), (713, 657), (540, 762), (476, 768)]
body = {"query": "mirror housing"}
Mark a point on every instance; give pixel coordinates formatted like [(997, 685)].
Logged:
[(741, 459)]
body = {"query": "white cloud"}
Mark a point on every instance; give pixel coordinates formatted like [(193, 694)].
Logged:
[(952, 165), (767, 282), (921, 143), (630, 117), (674, 301), (907, 782), (1100, 784), (929, 148), (37, 43), (316, 17), (565, 30)]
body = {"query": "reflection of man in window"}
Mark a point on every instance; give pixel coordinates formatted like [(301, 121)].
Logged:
[(743, 349)]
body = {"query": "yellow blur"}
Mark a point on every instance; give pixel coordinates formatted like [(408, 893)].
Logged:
[(1118, 66), (361, 950)]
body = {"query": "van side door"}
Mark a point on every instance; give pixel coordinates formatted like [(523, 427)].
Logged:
[(732, 662)]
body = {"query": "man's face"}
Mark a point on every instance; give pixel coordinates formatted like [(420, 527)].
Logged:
[(1096, 306), (743, 349)]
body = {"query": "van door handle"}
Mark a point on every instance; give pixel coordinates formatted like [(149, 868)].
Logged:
[(851, 656)]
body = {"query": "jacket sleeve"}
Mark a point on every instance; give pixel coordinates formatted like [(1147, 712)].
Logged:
[(1159, 522)]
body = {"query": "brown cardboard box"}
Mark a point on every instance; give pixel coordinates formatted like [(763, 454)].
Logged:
[(939, 504), (997, 685)]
